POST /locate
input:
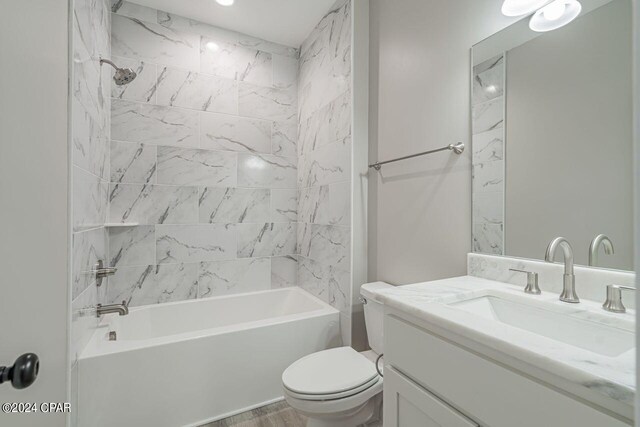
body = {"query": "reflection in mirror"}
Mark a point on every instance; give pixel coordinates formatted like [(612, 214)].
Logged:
[(552, 138)]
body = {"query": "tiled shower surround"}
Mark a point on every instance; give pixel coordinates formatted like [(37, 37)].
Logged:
[(203, 161), (324, 163), (90, 156), (210, 193)]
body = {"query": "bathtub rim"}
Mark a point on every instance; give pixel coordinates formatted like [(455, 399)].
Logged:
[(96, 345)]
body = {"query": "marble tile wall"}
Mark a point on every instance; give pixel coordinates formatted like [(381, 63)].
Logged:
[(488, 145), (203, 179), (90, 129), (324, 162)]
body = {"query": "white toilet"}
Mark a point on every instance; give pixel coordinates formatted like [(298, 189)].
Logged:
[(340, 387)]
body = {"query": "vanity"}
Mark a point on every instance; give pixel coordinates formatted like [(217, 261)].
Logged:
[(551, 211), (468, 351)]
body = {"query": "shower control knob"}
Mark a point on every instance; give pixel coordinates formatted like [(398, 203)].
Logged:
[(23, 372)]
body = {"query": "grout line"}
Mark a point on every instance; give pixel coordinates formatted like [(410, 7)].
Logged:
[(99, 227), (186, 148), (102, 180)]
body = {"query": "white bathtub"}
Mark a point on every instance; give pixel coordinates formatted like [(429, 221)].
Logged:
[(191, 362)]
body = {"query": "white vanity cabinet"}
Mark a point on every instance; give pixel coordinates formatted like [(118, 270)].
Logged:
[(409, 405), (432, 381)]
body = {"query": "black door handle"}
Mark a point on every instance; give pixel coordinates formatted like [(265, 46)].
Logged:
[(23, 372)]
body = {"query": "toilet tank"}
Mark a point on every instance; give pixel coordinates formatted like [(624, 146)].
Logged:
[(374, 313)]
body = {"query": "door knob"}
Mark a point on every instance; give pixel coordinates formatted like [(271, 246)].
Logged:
[(23, 372)]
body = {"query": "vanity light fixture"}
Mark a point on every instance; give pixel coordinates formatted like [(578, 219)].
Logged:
[(556, 14), (225, 2), (522, 7)]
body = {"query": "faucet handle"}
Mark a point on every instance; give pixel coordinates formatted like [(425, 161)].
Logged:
[(532, 281), (101, 272), (613, 303)]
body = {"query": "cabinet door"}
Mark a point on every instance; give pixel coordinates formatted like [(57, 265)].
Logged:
[(408, 405)]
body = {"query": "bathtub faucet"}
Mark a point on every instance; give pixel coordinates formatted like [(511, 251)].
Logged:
[(121, 309)]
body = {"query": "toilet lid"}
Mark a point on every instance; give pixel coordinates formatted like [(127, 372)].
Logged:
[(329, 372)]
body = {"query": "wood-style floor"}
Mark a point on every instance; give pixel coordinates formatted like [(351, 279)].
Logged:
[(276, 415)]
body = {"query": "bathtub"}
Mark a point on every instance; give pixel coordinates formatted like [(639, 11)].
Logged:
[(191, 362)]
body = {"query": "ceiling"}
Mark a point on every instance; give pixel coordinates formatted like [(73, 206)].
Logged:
[(287, 22)]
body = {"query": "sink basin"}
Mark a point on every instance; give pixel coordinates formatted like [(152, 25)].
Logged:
[(589, 335)]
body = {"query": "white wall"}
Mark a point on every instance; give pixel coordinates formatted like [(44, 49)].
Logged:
[(359, 168), (636, 164), (420, 209), (34, 168)]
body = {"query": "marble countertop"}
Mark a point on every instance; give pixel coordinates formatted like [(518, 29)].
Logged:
[(605, 381)]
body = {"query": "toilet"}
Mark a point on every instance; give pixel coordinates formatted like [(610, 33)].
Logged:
[(340, 387)]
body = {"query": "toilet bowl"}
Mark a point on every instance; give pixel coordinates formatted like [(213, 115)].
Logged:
[(340, 387)]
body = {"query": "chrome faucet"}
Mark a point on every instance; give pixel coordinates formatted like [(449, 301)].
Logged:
[(568, 279), (600, 239), (121, 309)]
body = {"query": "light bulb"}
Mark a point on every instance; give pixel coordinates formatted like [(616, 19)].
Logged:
[(554, 10), (225, 2), (555, 15), (212, 46)]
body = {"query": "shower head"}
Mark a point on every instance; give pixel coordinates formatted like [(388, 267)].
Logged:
[(122, 76)]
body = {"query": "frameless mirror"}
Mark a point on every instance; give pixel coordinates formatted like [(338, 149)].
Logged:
[(552, 138)]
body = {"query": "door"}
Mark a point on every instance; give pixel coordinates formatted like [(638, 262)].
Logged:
[(406, 404), (34, 203)]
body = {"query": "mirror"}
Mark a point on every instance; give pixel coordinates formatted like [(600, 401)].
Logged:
[(552, 137)]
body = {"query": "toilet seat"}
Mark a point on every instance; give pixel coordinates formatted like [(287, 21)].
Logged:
[(330, 374), (334, 406), (333, 396)]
